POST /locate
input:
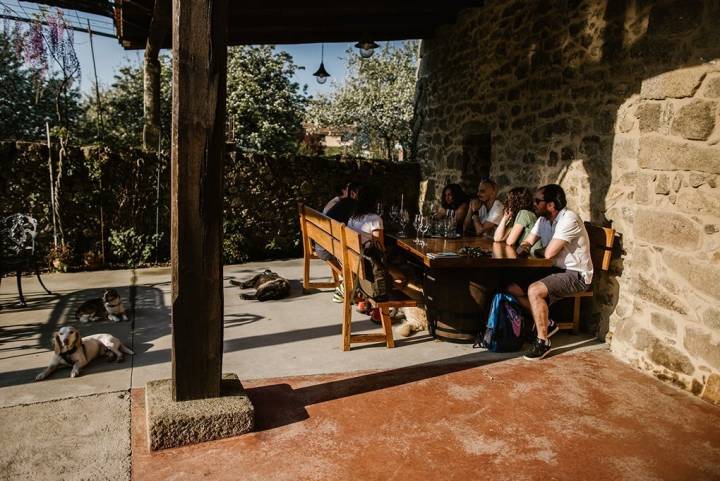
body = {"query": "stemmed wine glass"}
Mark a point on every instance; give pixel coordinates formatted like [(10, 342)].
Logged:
[(450, 224), (403, 218), (416, 224), (394, 213), (380, 209), (424, 226)]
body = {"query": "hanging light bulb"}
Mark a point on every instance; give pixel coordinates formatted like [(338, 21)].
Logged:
[(321, 75), (367, 48)]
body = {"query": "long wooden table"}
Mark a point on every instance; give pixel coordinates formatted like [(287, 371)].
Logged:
[(458, 289)]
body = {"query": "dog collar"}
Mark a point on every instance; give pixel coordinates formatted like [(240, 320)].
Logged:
[(66, 355)]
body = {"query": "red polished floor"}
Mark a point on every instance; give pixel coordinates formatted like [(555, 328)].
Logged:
[(575, 416)]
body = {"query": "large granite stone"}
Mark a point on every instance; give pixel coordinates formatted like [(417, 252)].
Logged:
[(700, 345), (699, 201), (663, 322), (664, 228), (676, 84), (647, 290), (702, 275), (171, 424), (648, 115), (711, 86), (711, 318), (712, 389), (695, 120), (670, 358), (662, 153)]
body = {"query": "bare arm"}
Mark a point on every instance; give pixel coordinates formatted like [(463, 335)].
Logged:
[(514, 235), (502, 231), (524, 248), (461, 214), (554, 248)]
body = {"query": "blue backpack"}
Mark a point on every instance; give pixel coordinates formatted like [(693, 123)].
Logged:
[(507, 327)]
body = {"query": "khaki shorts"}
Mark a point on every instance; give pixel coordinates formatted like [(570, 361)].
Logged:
[(563, 284)]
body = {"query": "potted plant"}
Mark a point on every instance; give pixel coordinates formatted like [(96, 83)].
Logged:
[(60, 258)]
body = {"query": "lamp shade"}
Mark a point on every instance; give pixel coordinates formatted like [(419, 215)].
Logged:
[(321, 75), (366, 47)]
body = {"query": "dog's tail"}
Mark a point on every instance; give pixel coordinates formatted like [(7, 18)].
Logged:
[(126, 350)]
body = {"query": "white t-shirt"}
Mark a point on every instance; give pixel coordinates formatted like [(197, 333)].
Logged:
[(568, 226), (494, 215), (366, 223)]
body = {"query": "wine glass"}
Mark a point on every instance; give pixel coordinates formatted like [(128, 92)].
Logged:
[(450, 223), (380, 209), (403, 218), (394, 213), (416, 224), (424, 226)]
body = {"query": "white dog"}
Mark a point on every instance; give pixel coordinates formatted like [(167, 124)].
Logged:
[(73, 350)]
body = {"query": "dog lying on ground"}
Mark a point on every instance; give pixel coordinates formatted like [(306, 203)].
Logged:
[(72, 350), (415, 321), (268, 286), (109, 307)]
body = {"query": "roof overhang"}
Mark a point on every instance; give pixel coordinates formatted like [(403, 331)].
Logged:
[(289, 21)]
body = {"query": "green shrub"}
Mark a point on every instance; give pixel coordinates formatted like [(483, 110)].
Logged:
[(130, 248)]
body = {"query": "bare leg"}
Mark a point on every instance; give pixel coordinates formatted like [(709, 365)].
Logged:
[(537, 295), (520, 295)]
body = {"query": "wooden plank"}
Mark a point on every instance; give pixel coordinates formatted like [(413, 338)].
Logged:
[(318, 219), (320, 236), (368, 338), (198, 143)]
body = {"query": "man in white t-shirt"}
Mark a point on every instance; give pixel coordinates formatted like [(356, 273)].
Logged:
[(564, 239), (485, 211)]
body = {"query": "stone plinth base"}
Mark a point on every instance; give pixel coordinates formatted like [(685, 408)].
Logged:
[(171, 424)]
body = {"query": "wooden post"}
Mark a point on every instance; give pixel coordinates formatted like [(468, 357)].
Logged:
[(198, 143)]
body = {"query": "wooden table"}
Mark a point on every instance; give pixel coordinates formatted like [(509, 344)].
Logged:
[(457, 290)]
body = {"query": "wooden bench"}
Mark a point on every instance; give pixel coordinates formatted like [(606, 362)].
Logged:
[(602, 240), (351, 247), (316, 230)]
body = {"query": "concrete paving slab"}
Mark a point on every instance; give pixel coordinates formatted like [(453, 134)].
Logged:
[(85, 438), (299, 335)]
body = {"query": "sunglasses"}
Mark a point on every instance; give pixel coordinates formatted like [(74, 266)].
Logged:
[(537, 201)]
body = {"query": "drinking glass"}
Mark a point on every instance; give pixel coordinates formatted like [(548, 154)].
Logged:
[(394, 213), (403, 218), (424, 226), (379, 209), (416, 224)]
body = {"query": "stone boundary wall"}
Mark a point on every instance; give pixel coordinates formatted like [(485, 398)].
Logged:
[(618, 102), (261, 196)]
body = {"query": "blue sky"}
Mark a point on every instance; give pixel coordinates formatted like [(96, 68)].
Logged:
[(109, 55)]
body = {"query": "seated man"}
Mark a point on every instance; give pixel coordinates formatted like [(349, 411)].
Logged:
[(564, 239), (485, 211)]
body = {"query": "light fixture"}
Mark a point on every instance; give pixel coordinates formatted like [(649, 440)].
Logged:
[(321, 75), (366, 47)]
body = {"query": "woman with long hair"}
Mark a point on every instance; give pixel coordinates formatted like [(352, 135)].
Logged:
[(455, 199), (518, 217)]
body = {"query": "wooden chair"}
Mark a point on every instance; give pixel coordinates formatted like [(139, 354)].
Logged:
[(602, 240), (350, 246), (315, 228)]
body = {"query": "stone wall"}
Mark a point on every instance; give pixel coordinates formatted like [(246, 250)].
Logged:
[(619, 103)]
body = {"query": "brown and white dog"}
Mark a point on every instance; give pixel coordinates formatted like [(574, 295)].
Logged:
[(73, 350), (114, 306)]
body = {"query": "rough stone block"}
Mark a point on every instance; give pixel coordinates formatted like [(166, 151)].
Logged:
[(711, 318), (663, 322), (699, 344), (712, 389), (646, 290), (662, 186), (676, 84), (711, 86), (670, 358), (703, 276), (700, 202), (661, 153), (660, 227), (648, 115), (695, 120), (171, 424)]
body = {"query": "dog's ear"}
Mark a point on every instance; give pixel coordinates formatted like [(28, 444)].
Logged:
[(78, 340), (57, 346)]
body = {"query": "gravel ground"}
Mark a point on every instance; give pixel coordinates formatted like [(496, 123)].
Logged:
[(85, 438)]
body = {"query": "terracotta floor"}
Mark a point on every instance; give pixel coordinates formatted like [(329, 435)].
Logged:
[(575, 416)]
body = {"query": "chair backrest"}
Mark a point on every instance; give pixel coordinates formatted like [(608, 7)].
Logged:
[(351, 247), (18, 232), (601, 244)]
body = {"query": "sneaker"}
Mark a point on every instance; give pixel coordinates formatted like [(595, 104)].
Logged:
[(552, 328), (339, 294), (538, 350), (363, 307)]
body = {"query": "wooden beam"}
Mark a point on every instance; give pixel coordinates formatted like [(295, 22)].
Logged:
[(159, 29), (199, 41)]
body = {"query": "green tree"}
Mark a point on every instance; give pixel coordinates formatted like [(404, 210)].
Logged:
[(122, 109), (265, 107), (375, 104)]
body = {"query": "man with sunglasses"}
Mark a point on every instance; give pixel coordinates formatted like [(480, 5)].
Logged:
[(564, 238)]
